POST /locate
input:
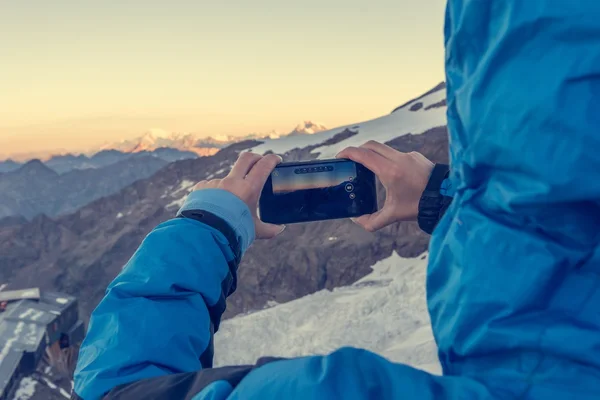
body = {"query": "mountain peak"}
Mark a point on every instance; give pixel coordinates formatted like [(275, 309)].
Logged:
[(9, 165), (308, 128), (37, 168)]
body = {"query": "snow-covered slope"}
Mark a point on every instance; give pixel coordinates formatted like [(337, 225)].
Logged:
[(384, 312), (407, 119)]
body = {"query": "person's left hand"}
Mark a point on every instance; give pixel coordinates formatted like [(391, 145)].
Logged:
[(246, 181), (403, 175)]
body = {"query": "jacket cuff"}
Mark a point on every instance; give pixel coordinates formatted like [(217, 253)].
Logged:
[(226, 206)]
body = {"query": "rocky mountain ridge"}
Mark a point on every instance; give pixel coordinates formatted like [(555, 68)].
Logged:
[(81, 252)]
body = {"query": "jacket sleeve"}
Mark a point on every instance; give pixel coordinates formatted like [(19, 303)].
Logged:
[(159, 314), (347, 373)]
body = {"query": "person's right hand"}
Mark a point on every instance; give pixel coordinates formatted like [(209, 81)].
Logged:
[(246, 181), (404, 176)]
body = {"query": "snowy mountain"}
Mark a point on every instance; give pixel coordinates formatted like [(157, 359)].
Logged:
[(101, 236), (384, 312), (157, 138), (407, 119), (307, 128), (202, 146)]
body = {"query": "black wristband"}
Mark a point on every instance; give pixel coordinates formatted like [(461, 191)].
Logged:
[(219, 224), (433, 204)]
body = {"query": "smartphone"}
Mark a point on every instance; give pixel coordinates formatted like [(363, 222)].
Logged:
[(317, 190)]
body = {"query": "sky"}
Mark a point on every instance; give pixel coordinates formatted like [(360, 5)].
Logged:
[(78, 73)]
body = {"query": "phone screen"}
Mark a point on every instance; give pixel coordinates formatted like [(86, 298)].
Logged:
[(317, 190), (290, 179)]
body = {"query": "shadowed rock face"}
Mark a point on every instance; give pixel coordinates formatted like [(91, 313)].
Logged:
[(81, 253), (416, 106)]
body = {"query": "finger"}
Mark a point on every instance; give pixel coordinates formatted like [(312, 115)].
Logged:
[(260, 172), (214, 183), (267, 231), (374, 222), (382, 149), (244, 164), (199, 185), (207, 184), (367, 157)]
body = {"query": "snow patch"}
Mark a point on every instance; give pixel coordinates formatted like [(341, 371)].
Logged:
[(385, 312), (176, 203), (26, 389), (433, 98), (119, 216), (49, 383), (26, 313), (54, 386), (184, 185), (37, 315), (9, 342), (331, 238)]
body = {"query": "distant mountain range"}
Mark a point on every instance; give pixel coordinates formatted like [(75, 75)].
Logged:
[(206, 146), (35, 189), (69, 162), (64, 183), (164, 145)]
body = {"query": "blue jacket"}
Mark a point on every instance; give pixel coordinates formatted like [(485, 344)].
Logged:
[(514, 275)]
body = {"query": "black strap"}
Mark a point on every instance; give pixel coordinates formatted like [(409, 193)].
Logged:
[(219, 224), (433, 204)]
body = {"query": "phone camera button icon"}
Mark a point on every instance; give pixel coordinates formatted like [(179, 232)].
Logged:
[(349, 187)]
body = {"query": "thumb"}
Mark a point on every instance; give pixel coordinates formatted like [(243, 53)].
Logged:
[(267, 231), (374, 222)]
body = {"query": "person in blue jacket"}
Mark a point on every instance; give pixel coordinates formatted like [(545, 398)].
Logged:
[(513, 281)]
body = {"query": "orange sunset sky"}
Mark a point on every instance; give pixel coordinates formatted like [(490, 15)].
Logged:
[(77, 73)]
